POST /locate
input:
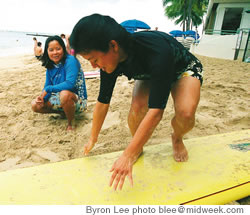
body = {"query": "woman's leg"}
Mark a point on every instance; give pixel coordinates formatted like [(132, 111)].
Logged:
[(138, 108), (68, 100), (186, 96), (139, 105)]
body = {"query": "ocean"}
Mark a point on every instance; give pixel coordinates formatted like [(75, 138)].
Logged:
[(16, 43)]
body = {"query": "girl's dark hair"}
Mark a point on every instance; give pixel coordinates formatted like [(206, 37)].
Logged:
[(46, 62), (94, 32)]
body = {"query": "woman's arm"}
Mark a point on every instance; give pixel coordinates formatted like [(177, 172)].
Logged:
[(99, 116), (71, 67), (144, 132), (123, 165), (45, 95)]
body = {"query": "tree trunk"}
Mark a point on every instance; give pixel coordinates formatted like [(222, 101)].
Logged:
[(184, 16), (203, 25), (190, 4)]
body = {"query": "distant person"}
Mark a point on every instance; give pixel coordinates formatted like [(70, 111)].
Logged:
[(64, 39), (156, 28), (38, 50), (66, 42), (160, 66), (64, 90)]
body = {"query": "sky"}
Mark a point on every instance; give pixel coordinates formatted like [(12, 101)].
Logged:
[(60, 16)]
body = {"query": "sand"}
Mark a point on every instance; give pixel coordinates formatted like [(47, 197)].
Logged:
[(28, 139)]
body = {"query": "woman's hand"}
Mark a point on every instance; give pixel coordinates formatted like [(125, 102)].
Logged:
[(99, 115), (88, 146), (121, 168), (39, 101)]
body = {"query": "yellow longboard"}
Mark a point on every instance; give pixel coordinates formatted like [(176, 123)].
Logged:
[(218, 171)]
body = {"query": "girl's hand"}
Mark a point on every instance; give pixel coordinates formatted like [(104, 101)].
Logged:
[(40, 101), (88, 147), (121, 168)]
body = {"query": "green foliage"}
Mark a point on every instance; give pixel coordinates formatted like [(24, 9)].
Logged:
[(187, 13)]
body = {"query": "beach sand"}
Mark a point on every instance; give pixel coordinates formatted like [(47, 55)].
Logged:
[(28, 139)]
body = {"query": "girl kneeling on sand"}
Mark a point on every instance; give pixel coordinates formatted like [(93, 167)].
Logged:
[(159, 64), (64, 89)]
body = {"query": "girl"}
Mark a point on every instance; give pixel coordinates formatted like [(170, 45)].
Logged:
[(159, 64), (64, 89)]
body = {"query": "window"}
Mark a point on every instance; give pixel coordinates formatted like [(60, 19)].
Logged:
[(231, 21)]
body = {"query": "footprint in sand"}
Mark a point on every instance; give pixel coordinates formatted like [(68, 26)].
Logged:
[(113, 118), (33, 158)]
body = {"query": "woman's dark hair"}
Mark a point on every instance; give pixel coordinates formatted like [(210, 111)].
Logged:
[(94, 32), (46, 62)]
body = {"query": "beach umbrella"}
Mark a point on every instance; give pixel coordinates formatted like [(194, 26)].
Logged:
[(176, 33), (191, 33), (134, 24), (130, 30)]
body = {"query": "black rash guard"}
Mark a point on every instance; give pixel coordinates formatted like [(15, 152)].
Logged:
[(154, 56)]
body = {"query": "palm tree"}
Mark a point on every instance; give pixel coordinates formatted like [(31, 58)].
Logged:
[(173, 10), (200, 12), (187, 13)]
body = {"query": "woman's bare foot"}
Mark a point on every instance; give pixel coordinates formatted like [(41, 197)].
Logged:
[(70, 128), (180, 152)]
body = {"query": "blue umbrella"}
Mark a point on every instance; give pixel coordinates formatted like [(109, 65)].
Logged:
[(193, 34), (134, 24), (190, 32), (176, 33), (131, 30)]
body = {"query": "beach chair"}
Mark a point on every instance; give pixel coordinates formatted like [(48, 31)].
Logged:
[(187, 42), (180, 39)]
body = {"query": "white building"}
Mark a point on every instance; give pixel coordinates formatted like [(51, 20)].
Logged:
[(226, 30)]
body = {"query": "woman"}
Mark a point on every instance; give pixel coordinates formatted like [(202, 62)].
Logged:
[(159, 64), (64, 89), (38, 50)]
